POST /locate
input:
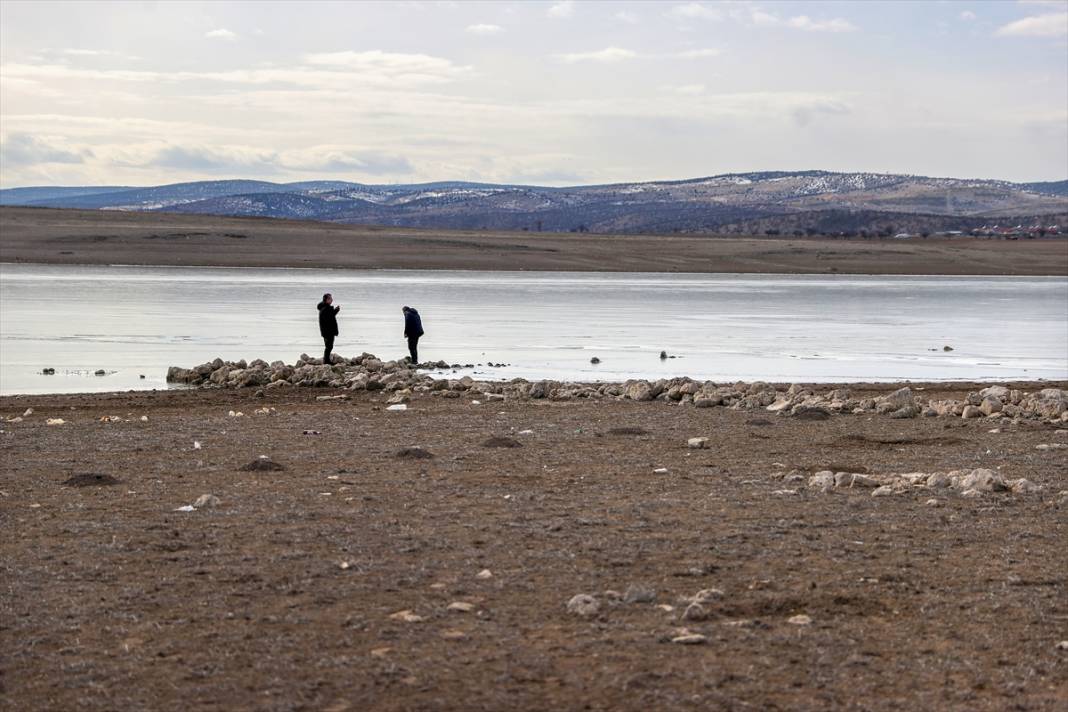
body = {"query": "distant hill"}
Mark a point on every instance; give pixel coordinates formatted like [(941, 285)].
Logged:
[(726, 203)]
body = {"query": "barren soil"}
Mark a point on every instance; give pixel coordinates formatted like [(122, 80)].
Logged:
[(281, 597), (52, 236)]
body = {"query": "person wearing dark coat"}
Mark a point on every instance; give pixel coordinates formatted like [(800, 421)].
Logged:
[(328, 324), (413, 329)]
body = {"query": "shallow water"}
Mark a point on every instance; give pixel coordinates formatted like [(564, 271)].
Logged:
[(815, 328)]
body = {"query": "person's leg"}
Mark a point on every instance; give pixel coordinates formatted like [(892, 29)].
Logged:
[(329, 341), (413, 348)]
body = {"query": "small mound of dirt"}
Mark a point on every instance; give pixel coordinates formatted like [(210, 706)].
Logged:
[(629, 430), (498, 441), (414, 453), (91, 479), (262, 464)]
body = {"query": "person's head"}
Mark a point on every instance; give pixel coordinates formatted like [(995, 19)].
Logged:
[(328, 298), (406, 309)]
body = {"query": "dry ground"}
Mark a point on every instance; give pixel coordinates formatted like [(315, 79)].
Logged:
[(112, 600), (106, 237)]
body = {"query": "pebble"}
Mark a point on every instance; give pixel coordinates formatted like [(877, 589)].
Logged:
[(697, 443), (933, 502), (584, 605), (695, 612), (884, 491), (689, 639), (484, 574), (406, 616), (639, 594), (461, 606), (800, 619), (707, 595), (453, 635), (660, 471), (55, 421), (397, 407), (1063, 645), (206, 501)]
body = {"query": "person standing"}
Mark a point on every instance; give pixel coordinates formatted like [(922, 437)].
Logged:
[(413, 329), (328, 324)]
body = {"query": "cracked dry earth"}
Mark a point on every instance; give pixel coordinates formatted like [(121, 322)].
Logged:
[(328, 585)]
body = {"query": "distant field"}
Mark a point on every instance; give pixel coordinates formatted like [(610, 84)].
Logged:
[(56, 236)]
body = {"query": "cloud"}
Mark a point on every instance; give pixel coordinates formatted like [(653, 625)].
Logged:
[(1053, 24), (347, 160), (804, 113), (221, 34), (699, 53), (694, 11), (561, 10), (967, 15), (686, 89), (391, 64), (836, 24), (24, 149), (762, 19), (484, 29), (222, 160), (626, 16), (606, 55)]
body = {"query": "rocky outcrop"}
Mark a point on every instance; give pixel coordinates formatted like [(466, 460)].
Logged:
[(366, 372)]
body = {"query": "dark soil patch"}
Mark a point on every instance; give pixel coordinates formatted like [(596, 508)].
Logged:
[(628, 430), (812, 414), (262, 464), (868, 440), (91, 479), (414, 453), (498, 441), (762, 422)]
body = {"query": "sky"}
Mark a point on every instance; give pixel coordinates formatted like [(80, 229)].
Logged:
[(550, 93)]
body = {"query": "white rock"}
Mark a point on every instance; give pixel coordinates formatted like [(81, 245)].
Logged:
[(206, 501), (800, 619), (984, 480), (185, 508), (660, 471), (461, 607), (938, 480), (406, 616), (583, 604), (689, 639), (823, 480), (933, 502), (484, 574), (884, 491), (397, 407), (55, 421), (697, 443)]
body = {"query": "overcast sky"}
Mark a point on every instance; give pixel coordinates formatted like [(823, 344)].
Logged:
[(141, 93)]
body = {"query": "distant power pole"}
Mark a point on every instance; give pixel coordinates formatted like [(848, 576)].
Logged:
[(539, 226)]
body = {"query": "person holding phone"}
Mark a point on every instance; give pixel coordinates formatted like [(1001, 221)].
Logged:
[(328, 324)]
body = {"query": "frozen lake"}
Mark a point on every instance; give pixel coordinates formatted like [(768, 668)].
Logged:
[(131, 321)]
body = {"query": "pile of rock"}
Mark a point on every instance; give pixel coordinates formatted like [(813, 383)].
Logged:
[(967, 483), (366, 372)]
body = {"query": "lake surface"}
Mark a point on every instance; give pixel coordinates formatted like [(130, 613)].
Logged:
[(131, 321)]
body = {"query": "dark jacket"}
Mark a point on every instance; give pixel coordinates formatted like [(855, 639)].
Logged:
[(413, 325), (328, 319)]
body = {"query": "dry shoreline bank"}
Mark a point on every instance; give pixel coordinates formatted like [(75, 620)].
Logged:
[(368, 575), (51, 236)]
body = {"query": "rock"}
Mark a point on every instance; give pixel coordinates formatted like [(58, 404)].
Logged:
[(947, 348), (823, 480), (780, 405), (663, 355), (938, 480), (843, 479), (697, 443), (900, 398), (595, 360), (206, 501), (397, 408), (1000, 392), (1023, 486), (990, 406), (638, 391), (800, 619), (639, 594), (863, 481), (909, 411), (707, 595), (661, 471), (933, 502), (55, 421), (695, 612), (689, 639), (484, 574), (971, 411), (704, 400), (460, 607), (883, 491), (983, 480), (406, 616), (100, 372), (583, 605), (262, 464), (807, 412)]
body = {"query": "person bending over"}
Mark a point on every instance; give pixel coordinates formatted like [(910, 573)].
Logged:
[(413, 329), (328, 324)]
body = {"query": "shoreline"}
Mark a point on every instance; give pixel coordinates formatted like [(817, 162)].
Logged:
[(53, 236), (533, 271)]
